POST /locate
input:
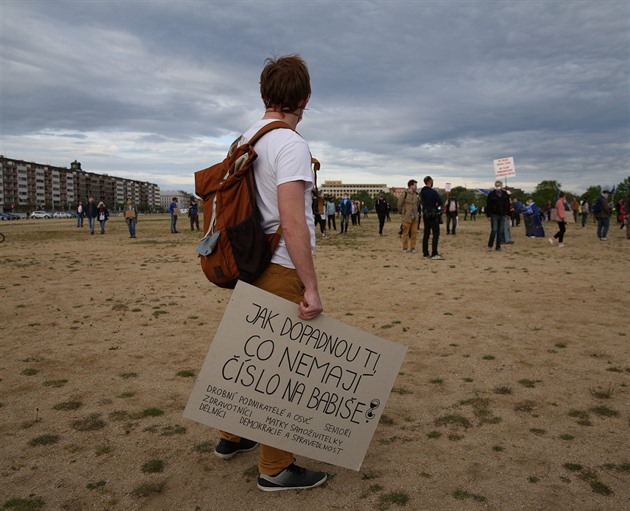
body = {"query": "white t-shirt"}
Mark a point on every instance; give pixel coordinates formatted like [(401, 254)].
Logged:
[(283, 157)]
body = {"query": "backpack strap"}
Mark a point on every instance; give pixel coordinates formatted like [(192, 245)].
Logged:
[(266, 129)]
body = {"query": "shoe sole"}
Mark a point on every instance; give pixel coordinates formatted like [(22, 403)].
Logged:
[(232, 454), (282, 488)]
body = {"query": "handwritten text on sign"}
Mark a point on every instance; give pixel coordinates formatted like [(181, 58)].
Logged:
[(315, 388), (504, 167)]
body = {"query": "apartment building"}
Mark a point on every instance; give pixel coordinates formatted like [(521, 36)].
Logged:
[(337, 188), (28, 186)]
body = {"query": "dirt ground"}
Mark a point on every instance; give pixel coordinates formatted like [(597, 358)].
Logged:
[(514, 394)]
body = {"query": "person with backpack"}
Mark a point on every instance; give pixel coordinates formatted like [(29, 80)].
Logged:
[(451, 214), (601, 211), (284, 185)]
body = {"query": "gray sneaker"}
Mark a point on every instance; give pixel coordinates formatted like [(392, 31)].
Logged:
[(291, 478), (226, 449)]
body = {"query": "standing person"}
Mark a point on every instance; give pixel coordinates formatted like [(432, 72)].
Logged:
[(585, 211), (532, 220), (131, 217), (473, 212), (91, 211), (102, 215), (284, 181), (330, 214), (318, 212), (560, 214), (174, 211), (451, 208), (548, 209), (408, 209), (353, 214), (80, 214), (497, 209), (517, 208), (193, 214), (507, 224), (382, 209), (602, 212), (345, 210), (575, 208), (466, 209), (431, 211)]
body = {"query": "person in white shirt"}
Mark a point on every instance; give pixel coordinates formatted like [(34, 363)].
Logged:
[(284, 182)]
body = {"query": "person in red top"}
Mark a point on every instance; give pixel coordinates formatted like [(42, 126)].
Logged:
[(561, 218)]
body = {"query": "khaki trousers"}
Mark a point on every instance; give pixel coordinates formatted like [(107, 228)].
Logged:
[(283, 282), (410, 234)]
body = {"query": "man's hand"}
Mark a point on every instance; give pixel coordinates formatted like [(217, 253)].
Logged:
[(311, 306)]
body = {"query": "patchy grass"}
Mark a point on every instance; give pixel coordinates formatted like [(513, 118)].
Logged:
[(55, 383), (29, 371), (68, 405), (148, 489), (44, 440), (18, 504), (603, 393), (92, 422), (154, 466), (204, 447), (463, 495), (453, 420), (186, 373), (604, 411), (395, 497)]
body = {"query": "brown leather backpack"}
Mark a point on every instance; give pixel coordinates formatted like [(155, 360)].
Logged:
[(235, 246)]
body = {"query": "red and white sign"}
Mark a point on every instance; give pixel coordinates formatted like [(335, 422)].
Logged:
[(504, 167)]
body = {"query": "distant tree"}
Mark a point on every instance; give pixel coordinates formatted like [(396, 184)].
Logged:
[(622, 190), (464, 195), (546, 191), (365, 199)]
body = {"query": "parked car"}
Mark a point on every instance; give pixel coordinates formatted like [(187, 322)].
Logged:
[(62, 214), (9, 216), (40, 214)]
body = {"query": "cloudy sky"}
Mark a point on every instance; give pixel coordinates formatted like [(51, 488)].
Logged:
[(154, 90)]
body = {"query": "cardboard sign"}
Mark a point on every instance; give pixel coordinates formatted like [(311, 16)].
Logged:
[(314, 388), (130, 213), (504, 167), (175, 211), (447, 187)]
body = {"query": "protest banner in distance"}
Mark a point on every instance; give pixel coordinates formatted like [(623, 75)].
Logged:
[(315, 388), (447, 187), (504, 167)]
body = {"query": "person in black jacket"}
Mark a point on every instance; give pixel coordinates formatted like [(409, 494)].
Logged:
[(497, 209), (431, 211), (382, 209)]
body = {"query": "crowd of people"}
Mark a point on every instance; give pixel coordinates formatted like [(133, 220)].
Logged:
[(425, 208)]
